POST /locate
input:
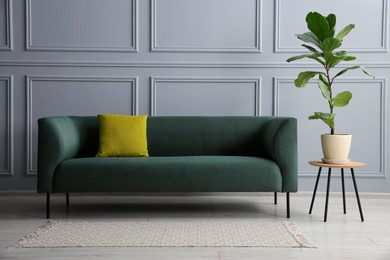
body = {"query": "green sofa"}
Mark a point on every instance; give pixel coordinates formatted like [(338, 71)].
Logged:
[(187, 154)]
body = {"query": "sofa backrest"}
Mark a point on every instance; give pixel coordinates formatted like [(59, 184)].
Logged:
[(186, 135), (169, 136)]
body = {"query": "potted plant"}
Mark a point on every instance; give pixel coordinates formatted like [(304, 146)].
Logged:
[(323, 45)]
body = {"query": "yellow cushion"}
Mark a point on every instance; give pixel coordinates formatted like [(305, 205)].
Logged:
[(122, 135)]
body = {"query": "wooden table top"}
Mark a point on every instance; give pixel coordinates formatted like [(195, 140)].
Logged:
[(329, 165)]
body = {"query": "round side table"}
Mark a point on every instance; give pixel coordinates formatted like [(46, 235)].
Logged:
[(351, 166)]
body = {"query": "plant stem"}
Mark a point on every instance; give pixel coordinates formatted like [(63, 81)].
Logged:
[(330, 88), (330, 82)]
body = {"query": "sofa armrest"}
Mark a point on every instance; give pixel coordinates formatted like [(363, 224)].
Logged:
[(279, 137), (58, 140)]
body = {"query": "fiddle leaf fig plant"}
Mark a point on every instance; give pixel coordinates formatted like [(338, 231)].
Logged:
[(323, 43)]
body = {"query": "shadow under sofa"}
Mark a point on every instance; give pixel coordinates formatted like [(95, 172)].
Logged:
[(186, 154)]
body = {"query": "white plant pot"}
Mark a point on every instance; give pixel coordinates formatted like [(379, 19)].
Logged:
[(336, 148)]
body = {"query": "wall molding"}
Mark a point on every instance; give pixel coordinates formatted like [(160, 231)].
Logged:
[(152, 64), (380, 49), (156, 48), (383, 107), (29, 86), (9, 171), (131, 48), (8, 46), (155, 80)]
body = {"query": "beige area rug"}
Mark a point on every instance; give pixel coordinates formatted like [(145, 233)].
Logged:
[(167, 234)]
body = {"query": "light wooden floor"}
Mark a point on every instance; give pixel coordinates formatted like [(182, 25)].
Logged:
[(342, 237)]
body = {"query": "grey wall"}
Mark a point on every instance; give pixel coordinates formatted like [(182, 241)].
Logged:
[(185, 57)]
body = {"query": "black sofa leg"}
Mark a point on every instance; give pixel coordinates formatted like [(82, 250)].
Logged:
[(275, 198), (47, 205), (67, 202), (288, 204)]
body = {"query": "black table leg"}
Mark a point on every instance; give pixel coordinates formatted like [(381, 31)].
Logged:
[(357, 194), (327, 195), (343, 188), (315, 190)]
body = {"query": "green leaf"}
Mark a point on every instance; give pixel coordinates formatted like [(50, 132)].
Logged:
[(330, 44), (341, 53), (309, 37), (318, 25), (294, 58), (345, 31), (324, 87), (310, 56), (345, 70), (342, 99), (367, 72), (327, 118), (348, 58), (330, 59), (334, 59), (312, 49), (316, 58), (304, 77), (331, 18), (327, 56), (353, 68)]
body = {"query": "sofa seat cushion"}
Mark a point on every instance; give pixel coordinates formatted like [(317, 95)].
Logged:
[(168, 174)]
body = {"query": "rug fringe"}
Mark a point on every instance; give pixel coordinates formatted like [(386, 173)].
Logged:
[(298, 235), (41, 230)]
